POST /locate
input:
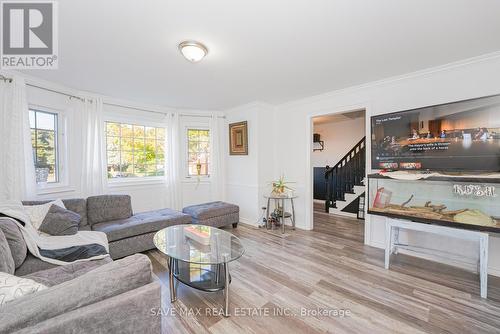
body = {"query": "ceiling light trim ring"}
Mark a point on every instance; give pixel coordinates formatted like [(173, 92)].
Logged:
[(191, 43)]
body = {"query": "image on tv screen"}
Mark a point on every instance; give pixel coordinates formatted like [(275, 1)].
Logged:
[(458, 136)]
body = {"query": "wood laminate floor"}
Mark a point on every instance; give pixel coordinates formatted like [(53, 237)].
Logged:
[(282, 283)]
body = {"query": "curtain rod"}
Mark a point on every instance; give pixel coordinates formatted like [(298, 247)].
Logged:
[(157, 112), (198, 115), (57, 92), (135, 108), (4, 78)]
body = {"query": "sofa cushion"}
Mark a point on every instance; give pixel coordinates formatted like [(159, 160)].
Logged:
[(6, 260), (141, 223), (210, 210), (61, 274), (78, 205), (59, 221), (33, 264), (105, 208), (38, 212), (15, 239), (13, 287), (104, 282)]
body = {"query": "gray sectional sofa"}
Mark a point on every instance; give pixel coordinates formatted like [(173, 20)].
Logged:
[(127, 233), (216, 214), (102, 296), (89, 297)]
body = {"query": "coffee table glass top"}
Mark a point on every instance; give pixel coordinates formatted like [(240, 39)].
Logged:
[(198, 244)]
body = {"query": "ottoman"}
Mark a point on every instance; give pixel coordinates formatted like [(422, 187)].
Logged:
[(214, 214)]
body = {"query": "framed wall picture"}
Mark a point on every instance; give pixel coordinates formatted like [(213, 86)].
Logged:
[(238, 138)]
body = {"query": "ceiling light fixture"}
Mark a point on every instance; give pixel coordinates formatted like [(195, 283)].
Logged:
[(193, 51)]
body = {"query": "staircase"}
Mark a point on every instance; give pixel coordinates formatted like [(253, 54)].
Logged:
[(345, 182)]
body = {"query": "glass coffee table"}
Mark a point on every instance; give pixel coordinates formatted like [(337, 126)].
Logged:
[(199, 257)]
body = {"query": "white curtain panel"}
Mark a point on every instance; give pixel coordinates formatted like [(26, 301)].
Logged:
[(217, 169), (93, 170), (17, 170), (172, 162)]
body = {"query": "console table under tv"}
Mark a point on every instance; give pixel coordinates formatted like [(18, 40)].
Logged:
[(463, 207)]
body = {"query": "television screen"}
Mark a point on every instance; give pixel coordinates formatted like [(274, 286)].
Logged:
[(458, 136)]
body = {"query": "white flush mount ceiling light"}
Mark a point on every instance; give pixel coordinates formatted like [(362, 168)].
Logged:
[(193, 51)]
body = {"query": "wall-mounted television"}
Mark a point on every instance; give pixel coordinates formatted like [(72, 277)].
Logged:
[(461, 136)]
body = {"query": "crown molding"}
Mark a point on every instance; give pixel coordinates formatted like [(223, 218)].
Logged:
[(390, 80)]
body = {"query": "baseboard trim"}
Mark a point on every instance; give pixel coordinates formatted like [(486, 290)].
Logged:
[(494, 271), (342, 213), (248, 221)]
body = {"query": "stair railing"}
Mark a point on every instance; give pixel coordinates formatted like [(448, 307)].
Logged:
[(348, 172)]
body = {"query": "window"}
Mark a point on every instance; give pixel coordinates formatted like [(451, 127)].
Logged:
[(198, 151), (134, 150), (44, 140)]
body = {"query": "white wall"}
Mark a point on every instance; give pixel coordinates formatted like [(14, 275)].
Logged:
[(146, 194), (458, 81), (339, 138), (248, 176)]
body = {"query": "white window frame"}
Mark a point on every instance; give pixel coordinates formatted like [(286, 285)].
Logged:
[(185, 164), (62, 185), (131, 181)]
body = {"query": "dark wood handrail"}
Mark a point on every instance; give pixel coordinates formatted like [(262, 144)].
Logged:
[(348, 172), (329, 169)]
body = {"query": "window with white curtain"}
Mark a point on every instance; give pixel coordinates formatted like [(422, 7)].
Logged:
[(45, 142), (134, 150), (198, 151)]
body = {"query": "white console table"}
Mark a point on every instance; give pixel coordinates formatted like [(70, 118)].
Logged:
[(392, 243)]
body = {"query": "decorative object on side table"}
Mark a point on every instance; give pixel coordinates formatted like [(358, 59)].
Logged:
[(42, 175), (280, 186), (238, 138), (280, 193)]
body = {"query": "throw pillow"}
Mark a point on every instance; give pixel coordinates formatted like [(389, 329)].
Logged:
[(6, 260), (13, 287), (37, 213), (15, 239), (59, 221)]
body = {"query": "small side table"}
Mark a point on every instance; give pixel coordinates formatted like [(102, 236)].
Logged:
[(283, 199)]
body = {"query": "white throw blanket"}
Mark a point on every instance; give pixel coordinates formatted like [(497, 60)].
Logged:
[(36, 241)]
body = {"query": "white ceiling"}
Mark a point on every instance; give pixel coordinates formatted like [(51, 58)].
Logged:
[(340, 117), (267, 50)]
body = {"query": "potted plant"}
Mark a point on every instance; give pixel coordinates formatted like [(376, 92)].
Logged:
[(280, 186)]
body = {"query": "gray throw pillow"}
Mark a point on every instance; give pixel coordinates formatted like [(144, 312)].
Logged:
[(6, 260), (60, 221), (16, 241)]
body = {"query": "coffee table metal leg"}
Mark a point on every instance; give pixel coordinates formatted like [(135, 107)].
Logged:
[(267, 213), (173, 297), (226, 288), (293, 214), (283, 216), (217, 273)]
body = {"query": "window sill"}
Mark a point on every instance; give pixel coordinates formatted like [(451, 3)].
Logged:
[(194, 179), (53, 189), (118, 183)]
